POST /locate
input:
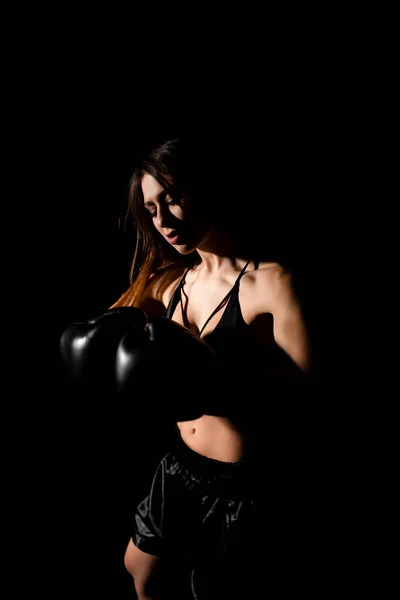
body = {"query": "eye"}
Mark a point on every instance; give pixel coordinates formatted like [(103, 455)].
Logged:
[(171, 201), (167, 198), (151, 211)]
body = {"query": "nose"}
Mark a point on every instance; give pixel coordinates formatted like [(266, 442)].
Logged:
[(163, 217)]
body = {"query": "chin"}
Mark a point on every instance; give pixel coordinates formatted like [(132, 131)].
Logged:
[(184, 249)]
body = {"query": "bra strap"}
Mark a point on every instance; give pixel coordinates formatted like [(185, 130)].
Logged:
[(223, 301)]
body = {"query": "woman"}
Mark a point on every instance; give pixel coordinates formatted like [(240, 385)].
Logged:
[(188, 268)]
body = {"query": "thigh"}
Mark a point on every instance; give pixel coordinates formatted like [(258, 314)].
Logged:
[(136, 560), (141, 565)]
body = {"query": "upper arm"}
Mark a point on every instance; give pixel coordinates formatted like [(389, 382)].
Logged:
[(155, 299), (289, 326)]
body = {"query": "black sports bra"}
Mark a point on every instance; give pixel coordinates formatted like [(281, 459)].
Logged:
[(232, 317)]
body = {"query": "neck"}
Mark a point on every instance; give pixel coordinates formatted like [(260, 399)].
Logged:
[(218, 254)]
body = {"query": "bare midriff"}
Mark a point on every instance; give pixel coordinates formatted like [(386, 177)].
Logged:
[(214, 437)]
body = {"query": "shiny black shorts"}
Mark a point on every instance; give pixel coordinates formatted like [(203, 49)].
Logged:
[(200, 511)]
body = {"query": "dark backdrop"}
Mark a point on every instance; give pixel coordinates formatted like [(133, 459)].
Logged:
[(94, 464), (103, 464), (76, 127)]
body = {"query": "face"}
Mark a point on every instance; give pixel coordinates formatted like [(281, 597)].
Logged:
[(174, 220)]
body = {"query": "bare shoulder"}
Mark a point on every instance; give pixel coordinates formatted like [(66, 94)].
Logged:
[(272, 281), (163, 283), (272, 272), (159, 290)]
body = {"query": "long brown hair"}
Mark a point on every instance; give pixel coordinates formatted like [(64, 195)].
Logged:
[(171, 165)]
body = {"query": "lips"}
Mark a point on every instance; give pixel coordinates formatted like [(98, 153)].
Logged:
[(174, 238)]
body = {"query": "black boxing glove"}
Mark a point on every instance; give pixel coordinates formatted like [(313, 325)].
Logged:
[(171, 368), (159, 368), (88, 347)]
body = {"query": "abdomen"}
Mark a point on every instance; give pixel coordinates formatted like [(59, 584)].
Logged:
[(214, 437)]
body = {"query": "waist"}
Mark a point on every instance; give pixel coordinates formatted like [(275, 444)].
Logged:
[(217, 438)]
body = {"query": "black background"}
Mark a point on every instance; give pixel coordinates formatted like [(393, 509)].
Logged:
[(94, 466), (80, 133), (102, 464)]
